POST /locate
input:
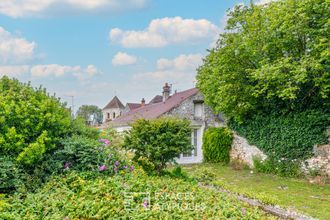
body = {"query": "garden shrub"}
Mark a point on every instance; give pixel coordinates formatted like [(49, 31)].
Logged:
[(32, 122), (78, 127), (159, 141), (9, 174), (80, 153), (217, 144)]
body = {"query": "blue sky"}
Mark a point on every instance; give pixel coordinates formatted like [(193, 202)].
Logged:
[(94, 49)]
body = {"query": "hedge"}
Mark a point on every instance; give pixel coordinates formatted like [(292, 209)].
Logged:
[(217, 144)]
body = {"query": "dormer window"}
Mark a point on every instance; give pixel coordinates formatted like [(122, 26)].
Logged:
[(108, 115), (113, 115), (198, 109)]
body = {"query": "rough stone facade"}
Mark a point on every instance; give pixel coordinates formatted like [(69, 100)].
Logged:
[(244, 152), (186, 110), (320, 162)]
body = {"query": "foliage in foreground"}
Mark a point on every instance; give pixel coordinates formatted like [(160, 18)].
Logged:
[(77, 153), (157, 142), (217, 144), (32, 122), (123, 196), (272, 57)]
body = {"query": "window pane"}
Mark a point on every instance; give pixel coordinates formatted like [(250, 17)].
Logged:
[(195, 142)]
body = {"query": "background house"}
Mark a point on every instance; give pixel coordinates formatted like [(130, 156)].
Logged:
[(188, 104), (112, 110)]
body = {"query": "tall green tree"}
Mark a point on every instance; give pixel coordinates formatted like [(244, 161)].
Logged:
[(90, 112), (273, 56)]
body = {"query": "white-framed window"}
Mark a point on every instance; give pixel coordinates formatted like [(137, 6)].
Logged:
[(194, 142), (198, 109)]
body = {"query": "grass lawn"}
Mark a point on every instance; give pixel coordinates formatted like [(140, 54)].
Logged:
[(309, 199)]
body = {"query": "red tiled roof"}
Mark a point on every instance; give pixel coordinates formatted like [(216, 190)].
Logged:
[(155, 110), (114, 103), (156, 99), (132, 106)]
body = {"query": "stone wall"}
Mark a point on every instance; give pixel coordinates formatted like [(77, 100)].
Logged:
[(320, 162), (244, 152)]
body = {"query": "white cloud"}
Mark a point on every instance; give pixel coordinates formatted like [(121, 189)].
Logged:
[(15, 49), (61, 70), (23, 8), (181, 63), (121, 59), (14, 70), (263, 2), (179, 69), (165, 31)]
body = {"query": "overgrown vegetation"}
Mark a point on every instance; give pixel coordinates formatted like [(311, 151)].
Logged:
[(290, 136), (159, 141), (269, 74), (39, 139), (125, 196), (217, 144)]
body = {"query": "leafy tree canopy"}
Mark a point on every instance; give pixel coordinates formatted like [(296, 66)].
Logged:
[(271, 57), (90, 112)]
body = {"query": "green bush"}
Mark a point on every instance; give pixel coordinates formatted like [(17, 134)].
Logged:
[(78, 127), (32, 122), (157, 142), (84, 154), (217, 144), (9, 174)]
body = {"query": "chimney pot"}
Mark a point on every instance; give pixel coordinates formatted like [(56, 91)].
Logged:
[(143, 102), (166, 92)]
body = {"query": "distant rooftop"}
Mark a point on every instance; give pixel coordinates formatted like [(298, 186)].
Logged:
[(155, 110), (114, 103)]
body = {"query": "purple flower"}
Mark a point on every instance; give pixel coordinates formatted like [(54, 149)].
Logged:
[(145, 204), (67, 165), (67, 218), (132, 168), (104, 141), (102, 168), (115, 169), (117, 163), (124, 167)]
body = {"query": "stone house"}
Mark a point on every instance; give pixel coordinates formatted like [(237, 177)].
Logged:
[(188, 104)]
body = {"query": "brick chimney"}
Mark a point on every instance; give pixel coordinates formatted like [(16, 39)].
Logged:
[(143, 102), (166, 92)]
